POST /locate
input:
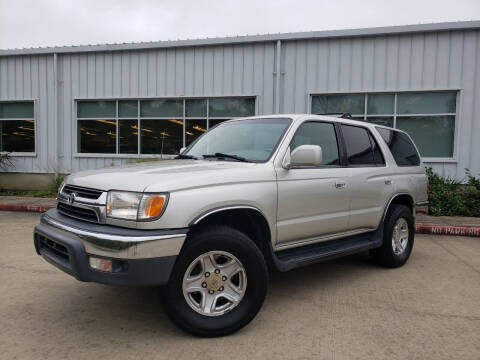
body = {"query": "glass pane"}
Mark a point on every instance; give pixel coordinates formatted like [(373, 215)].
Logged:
[(161, 108), (381, 120), (96, 109), (426, 103), (377, 153), (231, 107), (423, 130), (338, 104), (193, 129), (12, 110), (127, 108), (212, 123), (128, 141), (161, 136), (196, 107), (401, 147), (358, 146), (380, 103), (253, 139), (322, 134), (17, 136), (97, 136)]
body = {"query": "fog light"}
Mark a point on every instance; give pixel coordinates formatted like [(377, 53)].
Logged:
[(100, 264)]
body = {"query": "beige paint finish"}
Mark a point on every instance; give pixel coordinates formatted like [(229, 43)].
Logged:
[(311, 205), (342, 309)]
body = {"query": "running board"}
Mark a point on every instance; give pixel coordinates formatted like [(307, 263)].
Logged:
[(285, 260)]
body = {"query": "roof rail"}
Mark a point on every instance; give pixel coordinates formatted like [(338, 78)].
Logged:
[(340, 115)]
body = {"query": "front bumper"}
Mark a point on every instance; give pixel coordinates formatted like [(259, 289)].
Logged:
[(141, 257)]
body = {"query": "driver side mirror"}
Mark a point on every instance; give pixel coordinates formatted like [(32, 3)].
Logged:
[(182, 150), (304, 155)]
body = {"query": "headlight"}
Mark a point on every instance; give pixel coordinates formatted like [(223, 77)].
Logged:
[(135, 206)]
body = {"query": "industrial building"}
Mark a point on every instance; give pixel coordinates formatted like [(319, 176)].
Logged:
[(72, 108)]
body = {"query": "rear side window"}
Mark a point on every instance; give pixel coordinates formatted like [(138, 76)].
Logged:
[(362, 150), (401, 146), (318, 133)]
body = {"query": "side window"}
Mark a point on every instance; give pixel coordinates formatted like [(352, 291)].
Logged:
[(358, 143), (401, 146), (377, 153), (318, 133)]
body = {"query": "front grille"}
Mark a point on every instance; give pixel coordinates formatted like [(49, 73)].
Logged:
[(82, 192), (54, 247), (77, 212)]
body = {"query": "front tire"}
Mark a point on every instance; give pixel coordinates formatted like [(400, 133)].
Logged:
[(218, 283), (398, 237)]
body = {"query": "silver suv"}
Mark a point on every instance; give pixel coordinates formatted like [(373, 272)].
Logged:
[(250, 195)]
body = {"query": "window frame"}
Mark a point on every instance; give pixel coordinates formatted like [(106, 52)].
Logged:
[(365, 115), (35, 116), (139, 155), (370, 138), (340, 146)]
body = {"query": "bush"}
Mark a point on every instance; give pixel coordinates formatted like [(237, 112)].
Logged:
[(449, 197)]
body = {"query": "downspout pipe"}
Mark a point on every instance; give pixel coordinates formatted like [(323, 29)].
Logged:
[(278, 73)]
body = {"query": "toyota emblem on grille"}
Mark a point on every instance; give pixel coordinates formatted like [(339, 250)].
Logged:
[(71, 197)]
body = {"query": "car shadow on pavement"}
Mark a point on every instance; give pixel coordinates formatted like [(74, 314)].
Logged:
[(116, 311)]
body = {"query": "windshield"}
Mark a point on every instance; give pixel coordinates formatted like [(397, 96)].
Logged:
[(252, 139)]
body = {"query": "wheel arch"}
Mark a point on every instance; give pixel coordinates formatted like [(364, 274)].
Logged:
[(402, 199), (245, 218)]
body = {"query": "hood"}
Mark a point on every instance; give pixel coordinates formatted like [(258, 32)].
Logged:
[(169, 175)]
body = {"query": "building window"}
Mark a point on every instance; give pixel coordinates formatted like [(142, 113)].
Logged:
[(164, 125), (17, 126), (423, 115)]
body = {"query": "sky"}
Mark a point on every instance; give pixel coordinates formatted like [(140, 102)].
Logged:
[(40, 23)]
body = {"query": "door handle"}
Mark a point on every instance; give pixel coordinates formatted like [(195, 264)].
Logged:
[(340, 184), (388, 181)]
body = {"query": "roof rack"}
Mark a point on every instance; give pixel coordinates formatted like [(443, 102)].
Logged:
[(340, 115)]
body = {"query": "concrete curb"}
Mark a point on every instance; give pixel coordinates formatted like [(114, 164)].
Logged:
[(419, 228), (25, 207), (448, 230)]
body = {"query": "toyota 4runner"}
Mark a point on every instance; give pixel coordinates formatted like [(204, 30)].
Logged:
[(269, 192)]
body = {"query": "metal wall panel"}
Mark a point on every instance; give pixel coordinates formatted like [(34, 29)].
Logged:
[(203, 71), (32, 78), (397, 62), (420, 61)]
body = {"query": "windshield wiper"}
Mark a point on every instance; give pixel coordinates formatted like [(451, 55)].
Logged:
[(185, 156), (227, 156)]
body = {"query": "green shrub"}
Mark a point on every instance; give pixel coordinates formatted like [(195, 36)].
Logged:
[(449, 197)]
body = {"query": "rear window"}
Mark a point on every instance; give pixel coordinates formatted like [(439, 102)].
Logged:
[(401, 146)]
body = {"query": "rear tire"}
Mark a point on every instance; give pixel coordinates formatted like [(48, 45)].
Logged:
[(225, 300), (398, 237)]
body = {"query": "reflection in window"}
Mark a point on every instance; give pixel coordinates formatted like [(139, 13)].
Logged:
[(17, 136), (193, 129), (161, 108), (17, 126), (161, 136), (97, 136), (318, 133), (128, 139), (434, 115), (423, 129), (338, 104), (162, 132), (96, 109), (231, 107)]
